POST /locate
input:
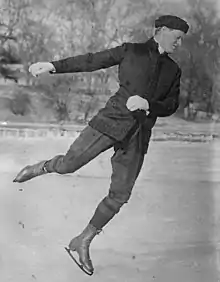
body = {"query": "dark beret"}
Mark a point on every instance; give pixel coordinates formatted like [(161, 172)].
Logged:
[(172, 22)]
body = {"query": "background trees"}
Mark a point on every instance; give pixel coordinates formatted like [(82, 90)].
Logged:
[(48, 30)]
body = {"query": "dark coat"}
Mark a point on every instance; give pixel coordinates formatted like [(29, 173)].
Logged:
[(142, 71)]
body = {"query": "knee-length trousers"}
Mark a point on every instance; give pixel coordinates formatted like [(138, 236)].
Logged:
[(126, 164)]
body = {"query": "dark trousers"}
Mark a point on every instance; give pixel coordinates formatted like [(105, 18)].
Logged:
[(126, 165)]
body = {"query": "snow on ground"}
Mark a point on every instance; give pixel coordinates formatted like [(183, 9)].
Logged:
[(169, 231)]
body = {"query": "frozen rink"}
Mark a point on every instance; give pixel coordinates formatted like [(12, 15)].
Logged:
[(168, 232)]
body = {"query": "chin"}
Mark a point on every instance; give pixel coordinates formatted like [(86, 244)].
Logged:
[(170, 51)]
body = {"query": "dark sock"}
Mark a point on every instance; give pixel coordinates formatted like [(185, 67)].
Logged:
[(50, 165)]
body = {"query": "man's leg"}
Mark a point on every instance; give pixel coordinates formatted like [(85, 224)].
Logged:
[(86, 147), (126, 165)]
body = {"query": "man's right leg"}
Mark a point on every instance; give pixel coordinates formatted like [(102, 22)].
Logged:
[(86, 147)]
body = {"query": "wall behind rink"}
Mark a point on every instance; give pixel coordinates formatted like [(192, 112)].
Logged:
[(30, 130)]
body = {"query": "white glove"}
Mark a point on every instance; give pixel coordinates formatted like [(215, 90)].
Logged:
[(137, 103), (41, 67)]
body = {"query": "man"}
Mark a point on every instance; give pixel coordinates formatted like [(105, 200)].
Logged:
[(149, 88)]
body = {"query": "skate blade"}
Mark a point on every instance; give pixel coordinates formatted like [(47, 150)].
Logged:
[(77, 263)]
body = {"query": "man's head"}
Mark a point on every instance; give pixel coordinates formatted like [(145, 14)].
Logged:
[(169, 32)]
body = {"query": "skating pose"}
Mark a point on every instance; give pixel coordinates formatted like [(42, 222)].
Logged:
[(149, 86)]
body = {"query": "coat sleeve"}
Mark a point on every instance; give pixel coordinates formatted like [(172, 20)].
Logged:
[(170, 104), (91, 61)]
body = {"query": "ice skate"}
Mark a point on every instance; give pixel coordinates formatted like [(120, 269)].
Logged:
[(30, 172)]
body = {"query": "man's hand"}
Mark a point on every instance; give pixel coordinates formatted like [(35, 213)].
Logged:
[(41, 67), (137, 103)]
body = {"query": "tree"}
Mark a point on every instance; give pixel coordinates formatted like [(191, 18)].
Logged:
[(27, 35), (199, 55), (86, 26), (8, 39)]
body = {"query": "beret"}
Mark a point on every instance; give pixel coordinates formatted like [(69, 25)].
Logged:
[(172, 22)]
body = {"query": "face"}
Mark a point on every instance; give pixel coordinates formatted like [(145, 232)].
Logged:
[(170, 39)]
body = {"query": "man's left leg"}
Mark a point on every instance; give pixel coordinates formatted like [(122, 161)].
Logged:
[(88, 145), (126, 165)]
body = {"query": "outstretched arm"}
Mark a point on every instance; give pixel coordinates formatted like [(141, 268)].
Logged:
[(91, 61)]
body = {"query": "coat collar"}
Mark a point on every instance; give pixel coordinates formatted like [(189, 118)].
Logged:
[(160, 49), (154, 46)]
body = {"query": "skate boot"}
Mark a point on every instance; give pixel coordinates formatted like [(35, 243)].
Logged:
[(30, 172), (80, 244)]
